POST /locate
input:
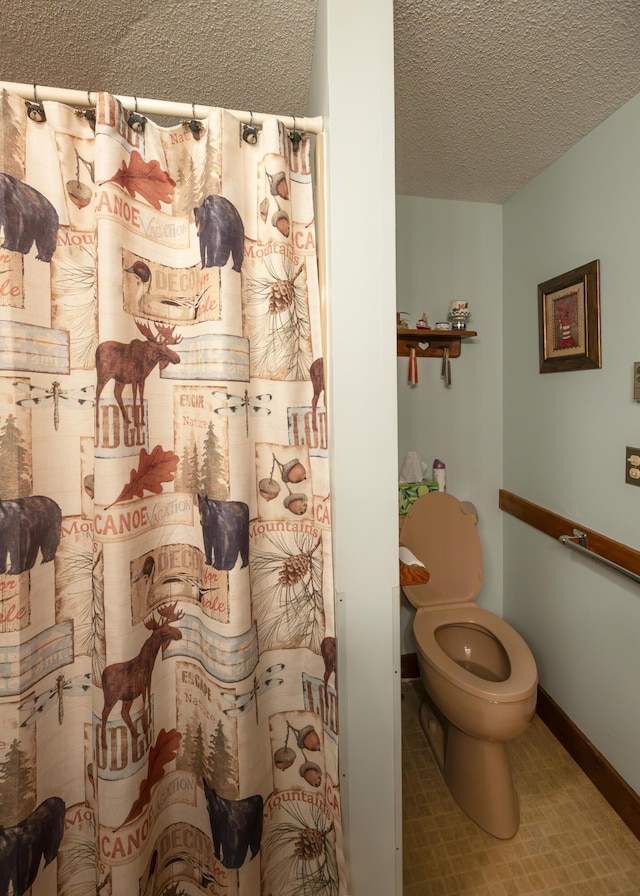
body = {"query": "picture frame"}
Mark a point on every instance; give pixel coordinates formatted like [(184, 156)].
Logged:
[(569, 320)]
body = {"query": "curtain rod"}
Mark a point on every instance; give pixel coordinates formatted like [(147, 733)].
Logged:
[(86, 98)]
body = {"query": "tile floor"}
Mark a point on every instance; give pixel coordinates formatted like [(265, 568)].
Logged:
[(570, 841)]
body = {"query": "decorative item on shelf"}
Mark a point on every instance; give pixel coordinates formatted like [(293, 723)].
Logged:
[(423, 323), (402, 322), (441, 325), (459, 314)]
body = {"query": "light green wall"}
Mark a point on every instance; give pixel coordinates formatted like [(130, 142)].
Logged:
[(445, 251), (565, 435), (555, 439), (353, 82)]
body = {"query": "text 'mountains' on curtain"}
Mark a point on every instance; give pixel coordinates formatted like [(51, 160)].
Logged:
[(168, 699)]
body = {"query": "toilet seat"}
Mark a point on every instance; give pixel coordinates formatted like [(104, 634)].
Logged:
[(522, 681)]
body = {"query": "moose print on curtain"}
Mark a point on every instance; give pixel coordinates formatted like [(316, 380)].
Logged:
[(168, 714)]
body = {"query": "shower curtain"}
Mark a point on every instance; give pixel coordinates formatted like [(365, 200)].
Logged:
[(168, 714)]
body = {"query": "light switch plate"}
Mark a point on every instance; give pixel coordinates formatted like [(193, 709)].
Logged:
[(636, 381), (632, 466)]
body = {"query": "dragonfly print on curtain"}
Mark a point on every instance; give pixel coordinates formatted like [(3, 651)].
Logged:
[(168, 707)]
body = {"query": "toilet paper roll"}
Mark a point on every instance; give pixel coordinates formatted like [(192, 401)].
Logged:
[(412, 570)]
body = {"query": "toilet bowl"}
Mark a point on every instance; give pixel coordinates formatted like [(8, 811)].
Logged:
[(479, 675)]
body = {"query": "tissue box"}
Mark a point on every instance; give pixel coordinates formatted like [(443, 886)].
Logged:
[(409, 492)]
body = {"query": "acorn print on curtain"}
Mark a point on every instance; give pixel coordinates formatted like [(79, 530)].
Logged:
[(168, 709)]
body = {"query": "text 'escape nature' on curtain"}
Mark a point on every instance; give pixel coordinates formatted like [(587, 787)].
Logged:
[(168, 714)]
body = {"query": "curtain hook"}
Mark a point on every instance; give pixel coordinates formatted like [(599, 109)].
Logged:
[(90, 113), (35, 109), (296, 136), (249, 133), (194, 125), (136, 122)]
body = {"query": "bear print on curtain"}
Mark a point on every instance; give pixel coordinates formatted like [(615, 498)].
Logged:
[(168, 707)]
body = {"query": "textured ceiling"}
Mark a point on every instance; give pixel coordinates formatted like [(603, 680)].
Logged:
[(491, 92), (488, 92), (239, 54)]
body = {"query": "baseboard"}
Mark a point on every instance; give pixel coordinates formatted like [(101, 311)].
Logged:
[(622, 798)]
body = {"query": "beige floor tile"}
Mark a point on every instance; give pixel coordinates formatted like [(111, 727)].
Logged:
[(570, 841)]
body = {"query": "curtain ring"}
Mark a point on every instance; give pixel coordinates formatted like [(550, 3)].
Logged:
[(136, 122), (35, 109), (249, 133)]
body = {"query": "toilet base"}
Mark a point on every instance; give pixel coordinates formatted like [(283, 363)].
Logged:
[(434, 731), (477, 773)]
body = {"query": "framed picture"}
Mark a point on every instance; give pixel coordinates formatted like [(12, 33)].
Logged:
[(569, 320)]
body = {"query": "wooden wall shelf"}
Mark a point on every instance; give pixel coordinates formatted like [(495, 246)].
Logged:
[(437, 341)]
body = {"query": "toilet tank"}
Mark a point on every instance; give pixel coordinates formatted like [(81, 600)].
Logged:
[(441, 532)]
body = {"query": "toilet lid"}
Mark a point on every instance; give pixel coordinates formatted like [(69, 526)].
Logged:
[(442, 534)]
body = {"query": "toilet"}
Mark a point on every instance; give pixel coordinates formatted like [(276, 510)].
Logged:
[(479, 674)]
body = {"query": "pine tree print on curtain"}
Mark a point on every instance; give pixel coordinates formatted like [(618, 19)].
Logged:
[(167, 647)]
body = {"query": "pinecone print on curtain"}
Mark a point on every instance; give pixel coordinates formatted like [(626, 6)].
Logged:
[(167, 645)]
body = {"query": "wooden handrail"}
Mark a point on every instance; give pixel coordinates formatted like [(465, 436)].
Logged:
[(555, 525)]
